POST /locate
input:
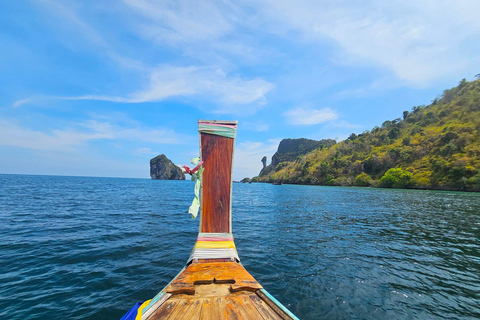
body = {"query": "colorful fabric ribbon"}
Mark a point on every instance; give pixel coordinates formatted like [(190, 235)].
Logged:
[(194, 170), (196, 174), (214, 246), (224, 130)]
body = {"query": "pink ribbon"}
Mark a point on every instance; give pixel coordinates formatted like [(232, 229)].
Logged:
[(218, 125), (192, 171)]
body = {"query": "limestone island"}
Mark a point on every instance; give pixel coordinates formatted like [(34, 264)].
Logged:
[(162, 168)]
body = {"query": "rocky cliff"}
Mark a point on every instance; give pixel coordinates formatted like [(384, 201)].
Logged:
[(430, 147), (162, 168), (290, 149)]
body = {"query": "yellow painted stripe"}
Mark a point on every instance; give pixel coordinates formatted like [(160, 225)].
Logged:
[(214, 245), (139, 311)]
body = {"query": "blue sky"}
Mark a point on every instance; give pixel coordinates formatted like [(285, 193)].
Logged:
[(97, 88)]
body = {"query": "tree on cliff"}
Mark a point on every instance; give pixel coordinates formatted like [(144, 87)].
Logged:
[(435, 147)]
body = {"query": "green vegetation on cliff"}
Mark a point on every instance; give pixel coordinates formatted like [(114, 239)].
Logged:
[(431, 147)]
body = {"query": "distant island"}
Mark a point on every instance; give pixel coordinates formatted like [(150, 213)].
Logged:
[(430, 147), (162, 168)]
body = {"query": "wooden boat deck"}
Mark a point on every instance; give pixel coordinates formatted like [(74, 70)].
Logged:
[(214, 290), (215, 302)]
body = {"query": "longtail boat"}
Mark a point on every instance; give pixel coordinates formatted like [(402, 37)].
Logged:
[(213, 284)]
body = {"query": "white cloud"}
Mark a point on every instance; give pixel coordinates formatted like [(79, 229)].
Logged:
[(183, 21), (17, 136), (19, 103), (67, 15), (206, 31), (71, 138), (208, 82), (180, 25), (146, 134), (418, 41), (308, 116)]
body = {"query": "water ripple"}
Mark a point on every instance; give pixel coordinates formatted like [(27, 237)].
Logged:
[(89, 248)]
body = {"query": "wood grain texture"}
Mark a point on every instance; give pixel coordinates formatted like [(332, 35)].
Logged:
[(244, 305), (155, 306), (221, 272), (272, 305), (244, 308), (262, 308), (165, 310), (212, 309), (217, 155)]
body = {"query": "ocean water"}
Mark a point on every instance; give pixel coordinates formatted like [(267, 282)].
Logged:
[(90, 248)]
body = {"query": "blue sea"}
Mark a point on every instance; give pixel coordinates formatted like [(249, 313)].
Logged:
[(90, 248)]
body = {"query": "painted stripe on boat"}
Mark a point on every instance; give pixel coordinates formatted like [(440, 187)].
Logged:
[(281, 306), (160, 294), (214, 245)]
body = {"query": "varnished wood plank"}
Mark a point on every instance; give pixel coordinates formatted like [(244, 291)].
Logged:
[(204, 273), (155, 306), (231, 311), (165, 310), (212, 309), (263, 309), (180, 309), (217, 154), (245, 308), (272, 305), (191, 310), (239, 305), (245, 285), (212, 290)]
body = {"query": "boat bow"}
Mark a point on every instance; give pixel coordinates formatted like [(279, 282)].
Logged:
[(214, 284)]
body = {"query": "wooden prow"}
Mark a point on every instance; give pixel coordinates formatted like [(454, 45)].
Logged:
[(216, 153), (214, 284)]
